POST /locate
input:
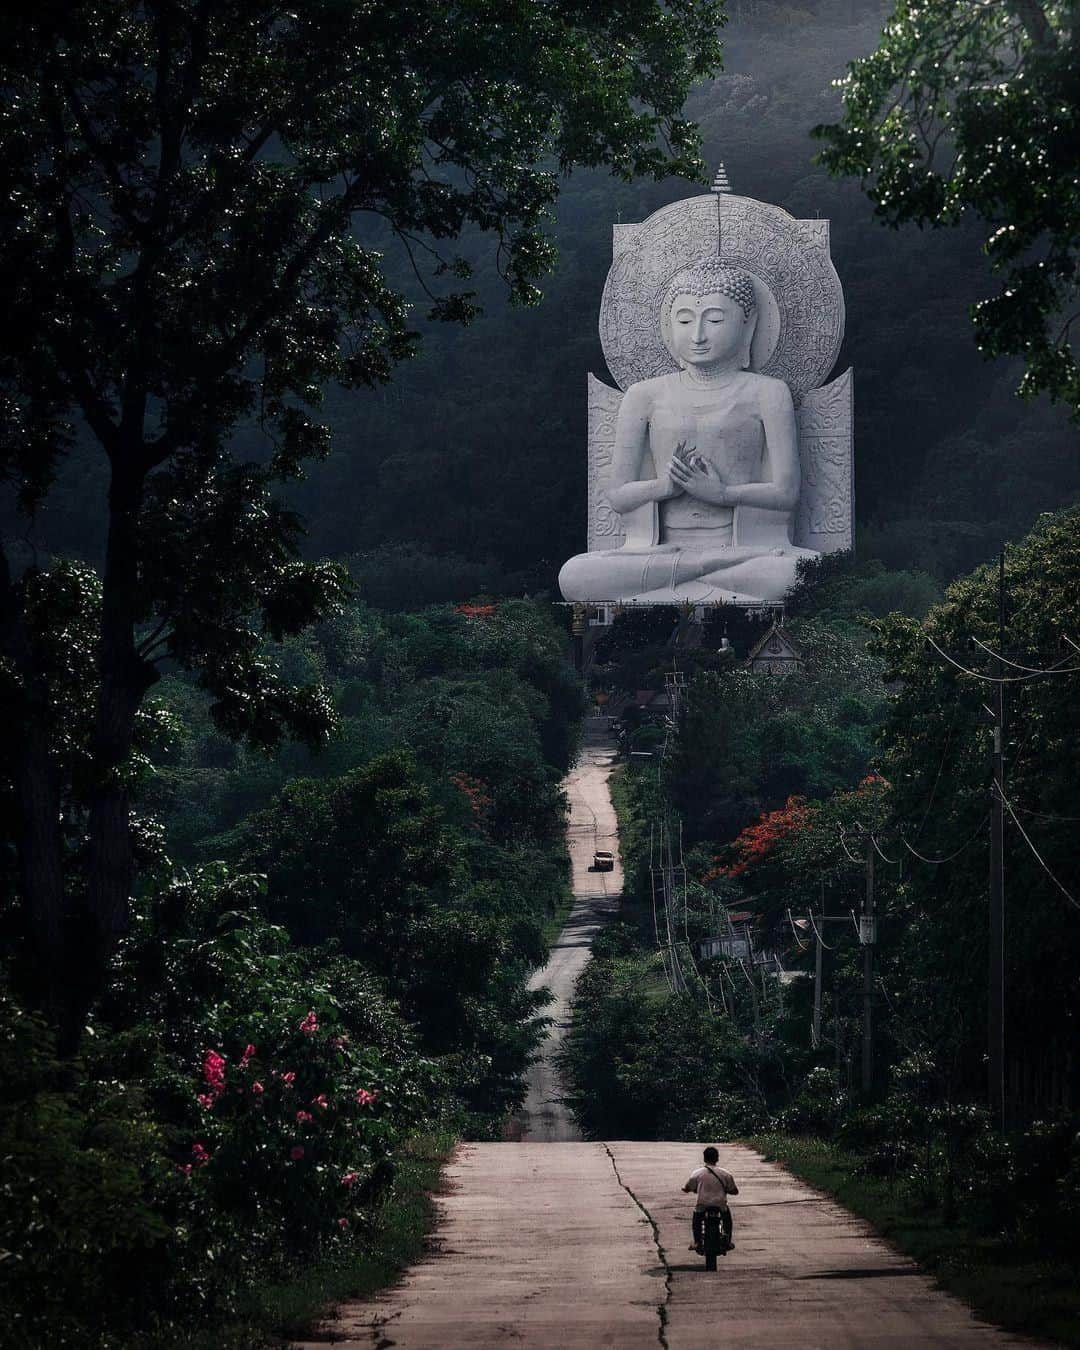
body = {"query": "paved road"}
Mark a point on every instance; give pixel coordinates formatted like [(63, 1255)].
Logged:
[(582, 1245), (592, 826)]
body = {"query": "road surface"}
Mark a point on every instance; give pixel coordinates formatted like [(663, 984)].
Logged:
[(582, 1245), (592, 825)]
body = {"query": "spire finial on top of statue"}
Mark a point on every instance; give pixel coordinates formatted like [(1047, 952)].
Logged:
[(720, 185), (720, 182)]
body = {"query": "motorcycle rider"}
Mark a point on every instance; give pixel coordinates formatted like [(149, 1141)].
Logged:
[(712, 1185)]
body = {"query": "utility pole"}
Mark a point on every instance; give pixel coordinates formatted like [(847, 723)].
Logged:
[(815, 1030), (996, 1006), (748, 971), (670, 899), (577, 629), (868, 936)]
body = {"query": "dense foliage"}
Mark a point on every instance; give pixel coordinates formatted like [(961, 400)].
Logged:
[(936, 749), (751, 741), (968, 107), (191, 245), (777, 781), (328, 955), (649, 1065), (236, 1110)]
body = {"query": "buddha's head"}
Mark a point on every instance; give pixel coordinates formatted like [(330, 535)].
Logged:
[(708, 315)]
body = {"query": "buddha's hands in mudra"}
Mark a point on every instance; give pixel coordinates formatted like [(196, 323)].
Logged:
[(699, 478), (666, 484)]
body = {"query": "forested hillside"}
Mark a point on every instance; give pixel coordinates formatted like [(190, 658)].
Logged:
[(948, 461), (477, 449)]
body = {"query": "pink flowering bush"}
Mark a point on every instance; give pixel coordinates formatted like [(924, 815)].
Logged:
[(265, 1152), (276, 1073)]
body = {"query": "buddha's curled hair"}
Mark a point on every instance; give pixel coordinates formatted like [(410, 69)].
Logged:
[(708, 276)]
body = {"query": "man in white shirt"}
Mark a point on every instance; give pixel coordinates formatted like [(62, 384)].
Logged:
[(712, 1186)]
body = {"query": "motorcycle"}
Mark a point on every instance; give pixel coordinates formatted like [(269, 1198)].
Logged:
[(714, 1239)]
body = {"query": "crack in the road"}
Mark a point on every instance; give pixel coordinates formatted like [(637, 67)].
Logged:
[(661, 1308), (378, 1338)]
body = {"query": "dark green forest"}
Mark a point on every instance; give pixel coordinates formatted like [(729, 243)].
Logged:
[(476, 450), (325, 972)]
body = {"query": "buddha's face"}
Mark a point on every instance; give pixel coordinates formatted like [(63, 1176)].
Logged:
[(707, 330)]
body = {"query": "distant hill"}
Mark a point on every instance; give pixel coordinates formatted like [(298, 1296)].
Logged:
[(477, 449)]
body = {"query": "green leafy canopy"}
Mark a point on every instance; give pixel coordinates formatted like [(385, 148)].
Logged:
[(191, 247), (969, 107), (200, 194)]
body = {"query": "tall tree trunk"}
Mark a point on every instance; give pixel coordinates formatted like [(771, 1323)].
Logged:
[(1032, 14), (41, 857), (124, 678), (37, 796)]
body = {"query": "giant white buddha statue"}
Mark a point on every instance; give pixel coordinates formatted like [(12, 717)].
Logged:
[(701, 446)]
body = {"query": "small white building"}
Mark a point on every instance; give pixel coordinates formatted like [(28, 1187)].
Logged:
[(775, 653)]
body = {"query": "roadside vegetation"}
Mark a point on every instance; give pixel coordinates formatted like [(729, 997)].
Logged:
[(1011, 1256), (322, 985), (773, 790)]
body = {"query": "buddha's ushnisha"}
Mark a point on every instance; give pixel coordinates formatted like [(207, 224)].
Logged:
[(713, 448)]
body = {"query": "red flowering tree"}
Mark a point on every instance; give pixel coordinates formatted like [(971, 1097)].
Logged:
[(755, 844), (782, 860)]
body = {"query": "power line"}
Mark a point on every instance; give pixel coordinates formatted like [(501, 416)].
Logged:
[(1031, 670), (868, 834), (1002, 679), (817, 934), (1045, 815), (669, 975), (803, 946), (843, 845), (686, 924), (1042, 863), (895, 862), (949, 856)]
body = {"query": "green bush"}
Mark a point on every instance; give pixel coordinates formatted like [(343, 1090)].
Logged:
[(84, 1180), (279, 1026), (818, 1107), (237, 1111), (647, 1064)]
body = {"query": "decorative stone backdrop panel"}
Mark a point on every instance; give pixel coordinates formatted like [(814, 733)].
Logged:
[(825, 516), (605, 524)]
